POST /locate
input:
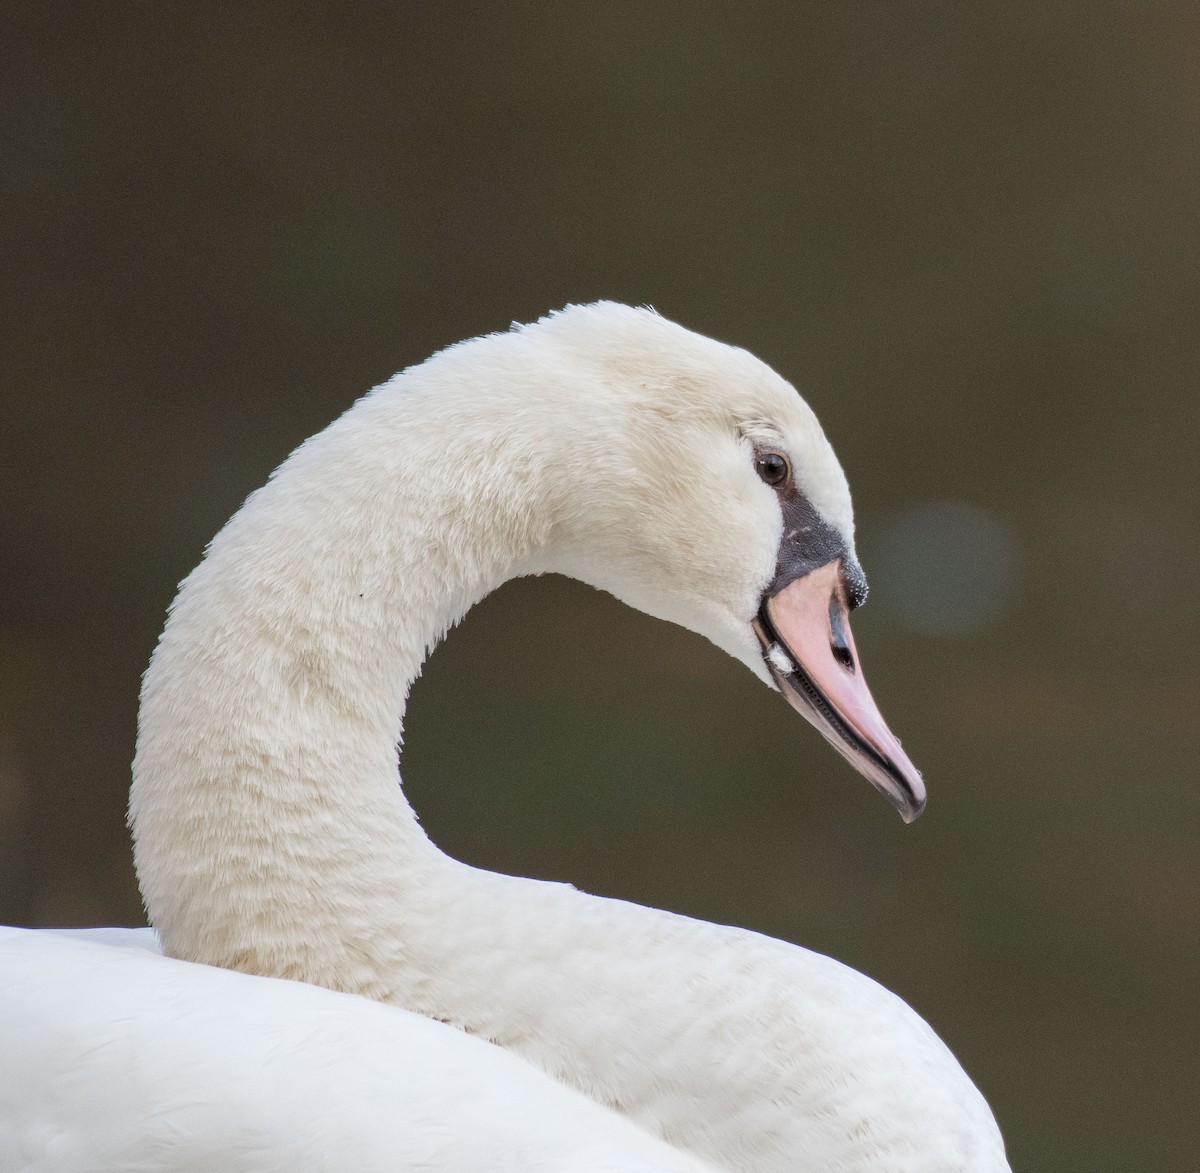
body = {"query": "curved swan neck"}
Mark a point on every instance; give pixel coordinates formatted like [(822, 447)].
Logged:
[(270, 830)]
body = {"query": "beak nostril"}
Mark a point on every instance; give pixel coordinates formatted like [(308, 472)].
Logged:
[(839, 643)]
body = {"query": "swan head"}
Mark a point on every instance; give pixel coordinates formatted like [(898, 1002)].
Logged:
[(703, 491)]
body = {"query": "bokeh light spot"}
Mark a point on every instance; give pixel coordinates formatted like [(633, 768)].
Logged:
[(945, 568)]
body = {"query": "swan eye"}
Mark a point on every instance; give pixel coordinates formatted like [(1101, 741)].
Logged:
[(772, 467)]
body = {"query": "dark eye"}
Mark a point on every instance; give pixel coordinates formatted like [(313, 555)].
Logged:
[(772, 467)]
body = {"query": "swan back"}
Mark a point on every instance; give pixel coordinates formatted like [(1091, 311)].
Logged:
[(115, 1057)]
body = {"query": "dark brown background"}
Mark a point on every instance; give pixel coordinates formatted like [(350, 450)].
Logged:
[(968, 232)]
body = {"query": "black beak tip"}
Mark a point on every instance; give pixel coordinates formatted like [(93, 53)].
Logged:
[(909, 805)]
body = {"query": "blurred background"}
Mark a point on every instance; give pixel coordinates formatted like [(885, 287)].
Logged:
[(969, 233)]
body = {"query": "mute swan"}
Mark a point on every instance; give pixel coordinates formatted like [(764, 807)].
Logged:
[(689, 480)]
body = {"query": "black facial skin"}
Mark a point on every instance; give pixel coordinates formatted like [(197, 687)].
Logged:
[(808, 540)]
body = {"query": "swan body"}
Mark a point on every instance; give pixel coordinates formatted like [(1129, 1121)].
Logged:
[(688, 479), (117, 1058)]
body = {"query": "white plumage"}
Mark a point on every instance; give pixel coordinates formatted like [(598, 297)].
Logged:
[(116, 1058), (271, 837)]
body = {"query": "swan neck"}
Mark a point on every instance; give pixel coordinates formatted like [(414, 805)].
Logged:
[(271, 833)]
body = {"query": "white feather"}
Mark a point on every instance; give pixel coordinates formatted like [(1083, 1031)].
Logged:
[(116, 1058), (271, 837)]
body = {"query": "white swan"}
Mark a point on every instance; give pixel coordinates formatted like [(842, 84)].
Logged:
[(688, 479)]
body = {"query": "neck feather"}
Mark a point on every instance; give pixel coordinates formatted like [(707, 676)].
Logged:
[(270, 831)]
